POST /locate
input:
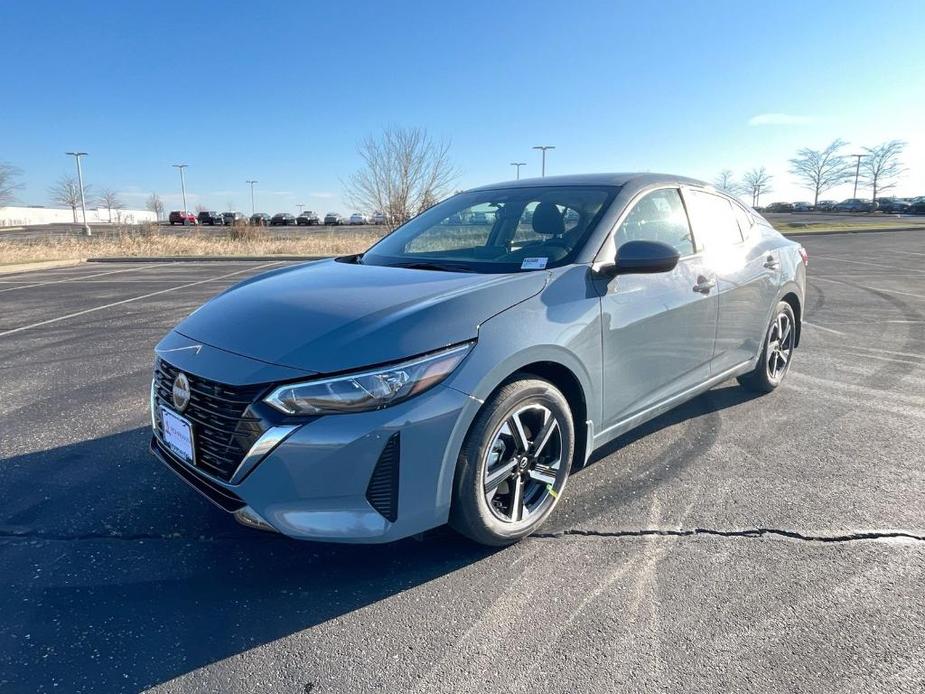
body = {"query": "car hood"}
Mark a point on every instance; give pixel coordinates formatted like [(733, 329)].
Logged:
[(331, 316)]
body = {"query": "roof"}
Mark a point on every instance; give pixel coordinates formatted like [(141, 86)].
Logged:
[(596, 179)]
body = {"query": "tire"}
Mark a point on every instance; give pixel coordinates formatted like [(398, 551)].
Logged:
[(776, 354), (503, 490)]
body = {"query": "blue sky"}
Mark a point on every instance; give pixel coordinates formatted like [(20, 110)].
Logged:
[(282, 91)]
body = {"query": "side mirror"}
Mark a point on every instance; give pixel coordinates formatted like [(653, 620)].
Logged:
[(642, 257)]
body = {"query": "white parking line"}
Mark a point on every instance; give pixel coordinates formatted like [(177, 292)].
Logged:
[(819, 327), (134, 298), (865, 262), (875, 289), (83, 277)]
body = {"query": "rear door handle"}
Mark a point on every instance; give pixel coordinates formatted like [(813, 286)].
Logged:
[(704, 285), (771, 263)]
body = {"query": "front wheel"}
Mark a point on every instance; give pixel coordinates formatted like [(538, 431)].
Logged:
[(514, 463), (777, 353)]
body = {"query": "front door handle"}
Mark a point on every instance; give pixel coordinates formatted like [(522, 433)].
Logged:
[(771, 263), (704, 285)]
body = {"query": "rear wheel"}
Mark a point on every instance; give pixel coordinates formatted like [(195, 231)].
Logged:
[(777, 353), (514, 463)]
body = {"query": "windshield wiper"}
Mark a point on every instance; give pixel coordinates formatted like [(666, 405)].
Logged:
[(443, 267)]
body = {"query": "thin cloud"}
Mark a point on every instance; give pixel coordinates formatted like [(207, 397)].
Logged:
[(779, 119), (322, 195)]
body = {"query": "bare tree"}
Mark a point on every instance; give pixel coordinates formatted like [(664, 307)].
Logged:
[(156, 205), (200, 208), (756, 182), (821, 170), (405, 172), (880, 166), (110, 200), (726, 183), (9, 183), (66, 191)]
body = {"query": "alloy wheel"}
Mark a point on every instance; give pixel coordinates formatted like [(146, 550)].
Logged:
[(780, 346), (523, 464)]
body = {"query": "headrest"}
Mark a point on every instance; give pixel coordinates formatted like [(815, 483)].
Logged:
[(547, 220)]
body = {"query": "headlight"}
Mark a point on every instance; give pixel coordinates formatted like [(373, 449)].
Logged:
[(367, 390)]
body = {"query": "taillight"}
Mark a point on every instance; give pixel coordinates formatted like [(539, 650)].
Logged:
[(804, 255)]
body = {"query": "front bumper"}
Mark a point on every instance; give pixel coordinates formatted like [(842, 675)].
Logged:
[(315, 483)]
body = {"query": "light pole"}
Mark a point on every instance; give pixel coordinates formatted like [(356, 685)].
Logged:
[(253, 209), (857, 171), (182, 184), (518, 164), (80, 183), (543, 149)]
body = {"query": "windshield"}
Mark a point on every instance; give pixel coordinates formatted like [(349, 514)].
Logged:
[(503, 230)]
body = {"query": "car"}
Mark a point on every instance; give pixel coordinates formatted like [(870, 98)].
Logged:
[(333, 219), (855, 205), (445, 376), (356, 218), (282, 219), (803, 207), (307, 218), (377, 218), (825, 205), (779, 207), (209, 218), (233, 218), (260, 219), (893, 205), (184, 218), (917, 205), (478, 217)]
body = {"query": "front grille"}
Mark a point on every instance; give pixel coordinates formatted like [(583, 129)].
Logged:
[(223, 427), (382, 491), (221, 497)]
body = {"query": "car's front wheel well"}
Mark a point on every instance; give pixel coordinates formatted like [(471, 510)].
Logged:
[(565, 380), (794, 302)]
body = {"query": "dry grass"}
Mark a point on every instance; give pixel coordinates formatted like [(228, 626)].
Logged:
[(152, 241)]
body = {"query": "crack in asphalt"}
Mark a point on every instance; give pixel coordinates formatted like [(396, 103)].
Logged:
[(746, 533)]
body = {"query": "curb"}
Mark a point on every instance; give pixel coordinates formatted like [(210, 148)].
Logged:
[(201, 258), (38, 265)]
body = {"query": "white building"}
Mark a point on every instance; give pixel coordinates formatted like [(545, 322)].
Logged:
[(26, 216)]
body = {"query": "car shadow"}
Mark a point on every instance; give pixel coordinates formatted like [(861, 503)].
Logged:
[(120, 577), (715, 400)]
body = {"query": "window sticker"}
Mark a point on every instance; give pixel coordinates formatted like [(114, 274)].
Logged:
[(534, 263)]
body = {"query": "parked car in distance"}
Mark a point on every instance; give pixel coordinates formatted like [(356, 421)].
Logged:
[(446, 376), (825, 205), (333, 219), (803, 207), (779, 207), (210, 218), (184, 218), (377, 218), (854, 205), (917, 205), (893, 205), (282, 219), (357, 218), (233, 218), (260, 219), (307, 219), (478, 218)]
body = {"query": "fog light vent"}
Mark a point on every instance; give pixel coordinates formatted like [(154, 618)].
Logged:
[(382, 492)]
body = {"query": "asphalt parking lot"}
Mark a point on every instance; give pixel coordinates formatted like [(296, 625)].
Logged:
[(739, 543)]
